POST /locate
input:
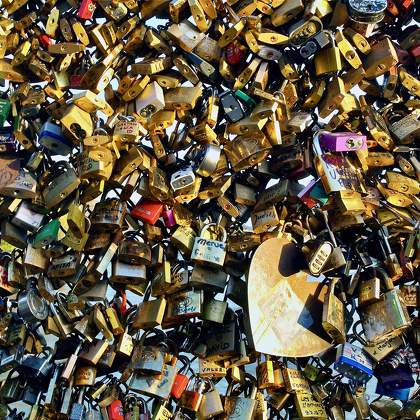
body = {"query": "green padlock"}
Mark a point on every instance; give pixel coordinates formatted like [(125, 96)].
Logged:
[(47, 234), (5, 107), (242, 96), (311, 372)]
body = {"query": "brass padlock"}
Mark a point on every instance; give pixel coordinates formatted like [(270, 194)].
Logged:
[(333, 316)]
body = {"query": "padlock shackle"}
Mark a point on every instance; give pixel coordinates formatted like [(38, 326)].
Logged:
[(157, 333), (219, 227), (356, 335)]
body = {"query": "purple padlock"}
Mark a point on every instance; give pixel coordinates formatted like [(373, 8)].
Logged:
[(343, 142), (7, 140), (168, 217)]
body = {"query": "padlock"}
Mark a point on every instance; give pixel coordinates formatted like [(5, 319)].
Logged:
[(211, 404), (108, 215), (149, 312), (183, 305), (314, 44), (148, 211), (12, 388), (398, 317), (353, 362), (181, 179), (85, 375), (214, 310), (184, 239), (308, 407), (192, 397), (157, 386), (133, 251), (86, 9), (328, 59), (244, 405), (335, 173), (333, 315), (150, 360), (31, 307), (162, 412), (162, 279), (209, 251), (181, 380), (295, 381), (7, 140), (52, 137)]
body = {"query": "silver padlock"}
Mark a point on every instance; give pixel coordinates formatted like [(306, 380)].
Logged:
[(27, 218), (183, 178), (209, 251), (206, 158)]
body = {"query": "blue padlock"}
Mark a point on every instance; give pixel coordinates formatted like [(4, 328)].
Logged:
[(7, 140), (353, 362), (393, 379), (52, 138), (400, 394)]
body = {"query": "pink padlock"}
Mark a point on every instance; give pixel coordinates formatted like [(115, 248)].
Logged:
[(168, 217), (86, 9), (343, 142)]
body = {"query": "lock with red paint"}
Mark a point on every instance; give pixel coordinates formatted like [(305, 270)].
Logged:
[(148, 211), (234, 54), (86, 9), (181, 380), (115, 410)]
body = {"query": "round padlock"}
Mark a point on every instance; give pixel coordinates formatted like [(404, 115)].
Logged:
[(31, 306)]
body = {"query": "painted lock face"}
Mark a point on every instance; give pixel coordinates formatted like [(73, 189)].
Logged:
[(242, 176), (52, 138), (7, 140), (367, 11), (148, 211), (183, 178), (343, 142)]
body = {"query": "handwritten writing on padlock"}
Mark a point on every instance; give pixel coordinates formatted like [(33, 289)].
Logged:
[(209, 251), (184, 306), (335, 170)]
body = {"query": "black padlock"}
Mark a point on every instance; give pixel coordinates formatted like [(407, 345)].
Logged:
[(231, 106)]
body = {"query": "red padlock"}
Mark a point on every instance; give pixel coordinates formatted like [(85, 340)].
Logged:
[(181, 379), (45, 40), (148, 211), (76, 81), (123, 307), (115, 410), (86, 9), (192, 397), (404, 6), (234, 54)]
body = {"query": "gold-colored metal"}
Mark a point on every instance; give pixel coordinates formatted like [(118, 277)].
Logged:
[(284, 295)]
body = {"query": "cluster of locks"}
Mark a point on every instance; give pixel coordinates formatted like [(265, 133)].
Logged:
[(209, 209)]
